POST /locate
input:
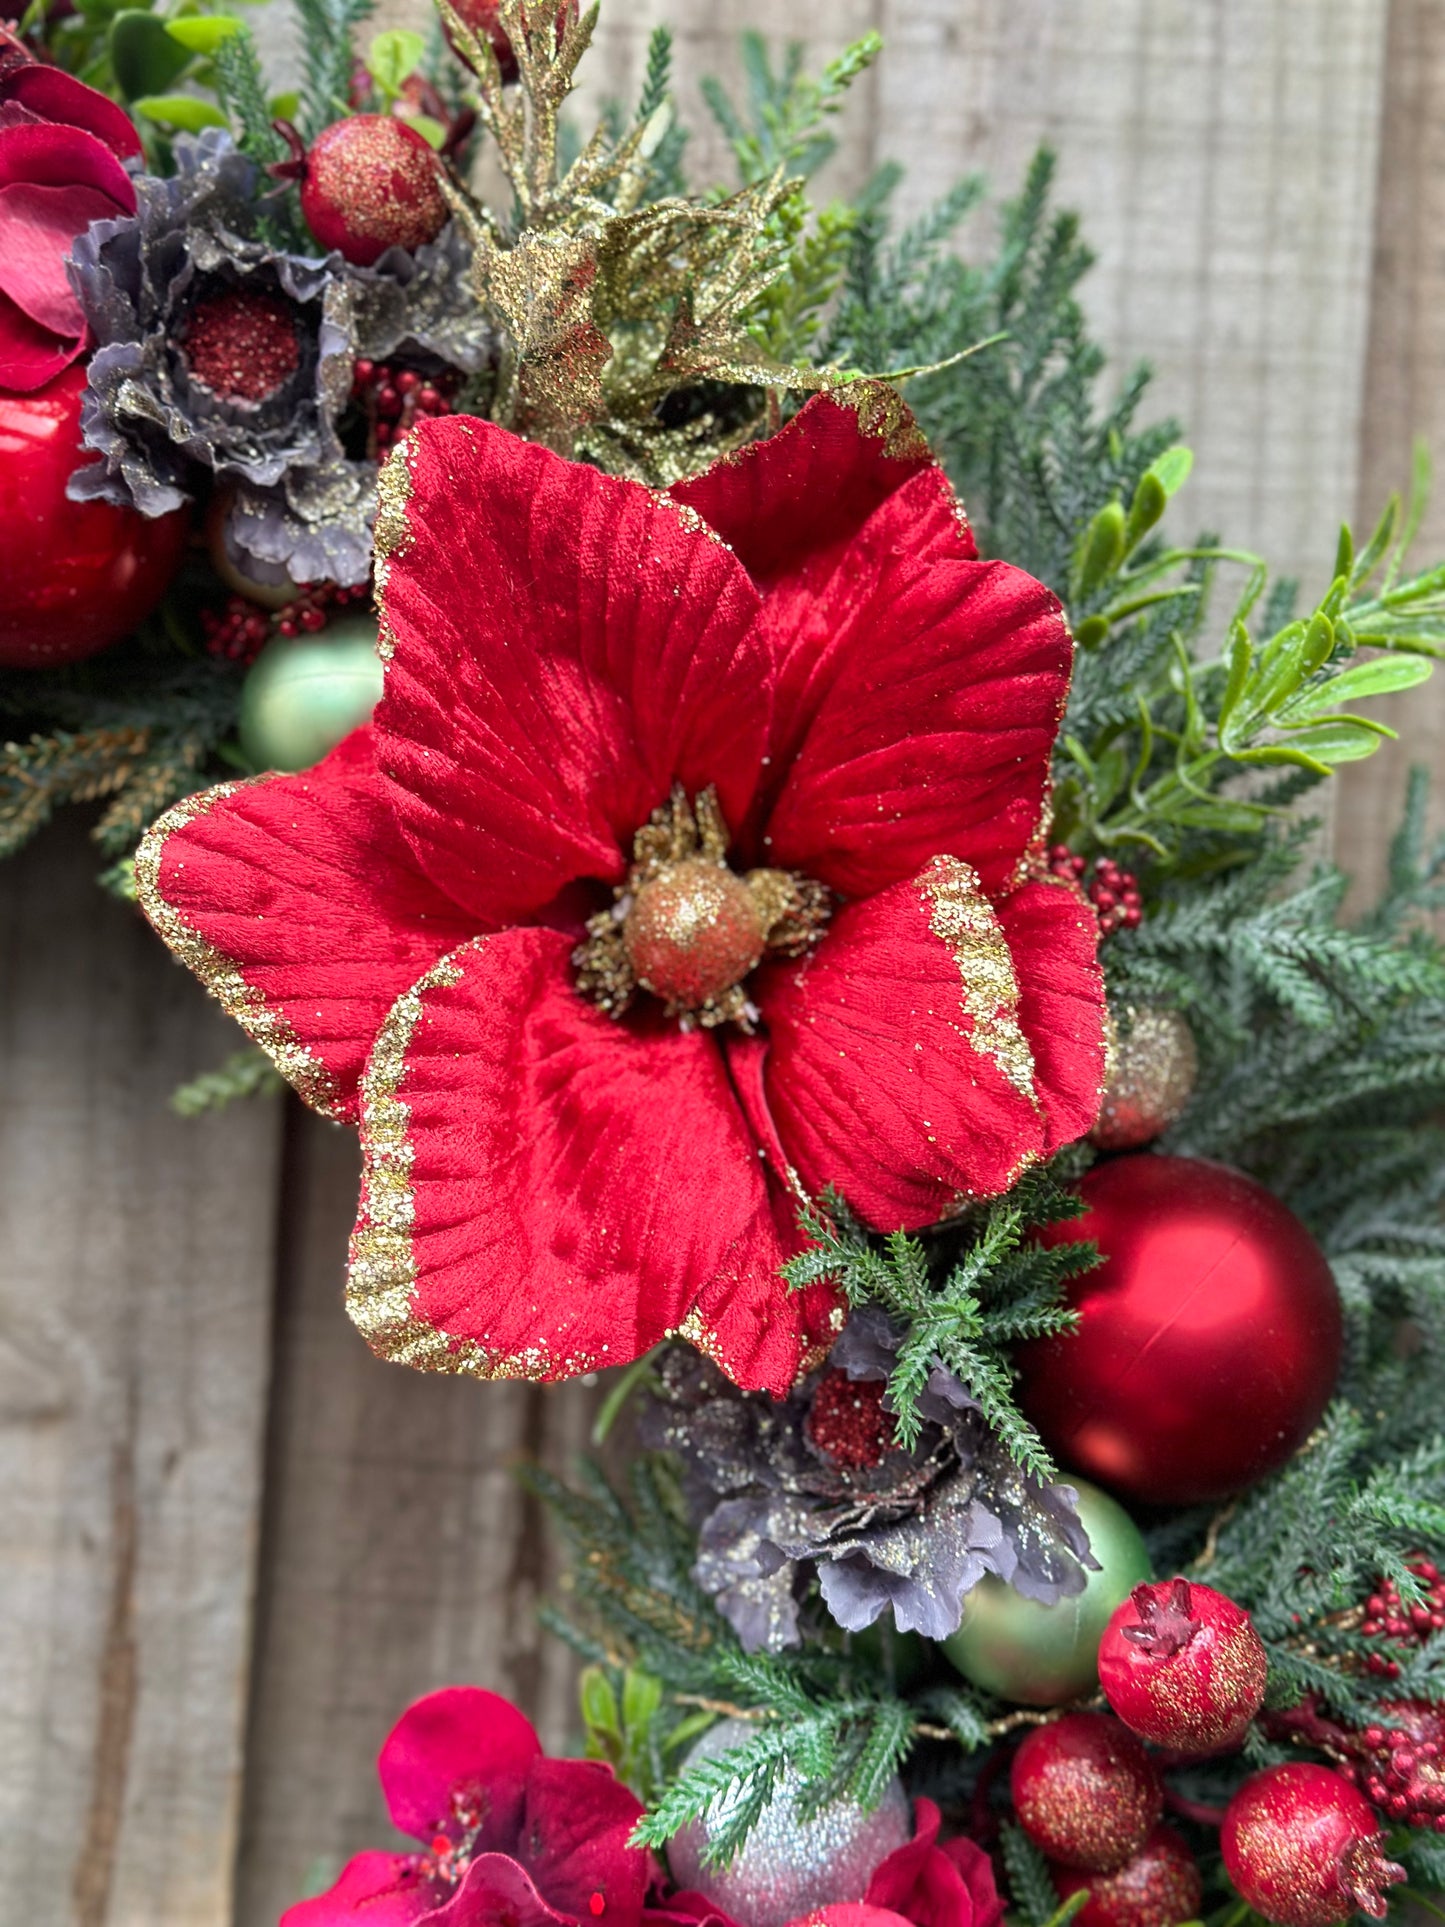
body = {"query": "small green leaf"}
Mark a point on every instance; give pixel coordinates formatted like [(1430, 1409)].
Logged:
[(1319, 643), (1172, 467), (284, 106), (1151, 498), (1241, 661), (1382, 676), (1344, 740), (641, 1699), (1091, 631), (431, 131), (599, 1702), (1345, 552), (392, 56), (185, 111), (143, 56), (204, 32), (1102, 549)]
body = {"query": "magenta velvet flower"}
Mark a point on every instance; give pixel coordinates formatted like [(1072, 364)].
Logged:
[(509, 1837), (921, 1884), (62, 145)]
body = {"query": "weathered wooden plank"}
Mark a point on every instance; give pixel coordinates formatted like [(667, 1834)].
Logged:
[(400, 1554), (1404, 397), (135, 1302)]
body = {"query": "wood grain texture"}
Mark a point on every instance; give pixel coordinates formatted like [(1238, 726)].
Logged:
[(1404, 397), (400, 1554), (135, 1301)]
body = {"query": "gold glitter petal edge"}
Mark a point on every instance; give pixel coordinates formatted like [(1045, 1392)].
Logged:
[(222, 975), (963, 920), (392, 532), (381, 1277)]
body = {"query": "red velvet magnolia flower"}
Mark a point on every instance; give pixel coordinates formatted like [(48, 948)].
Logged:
[(61, 149), (692, 861), (507, 1834)]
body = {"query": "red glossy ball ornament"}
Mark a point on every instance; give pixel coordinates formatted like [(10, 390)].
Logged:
[(1085, 1792), (1183, 1666), (74, 576), (1159, 1887), (1209, 1338), (370, 183), (1304, 1848)]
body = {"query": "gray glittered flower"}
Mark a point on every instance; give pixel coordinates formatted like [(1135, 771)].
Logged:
[(817, 1484), (223, 359)]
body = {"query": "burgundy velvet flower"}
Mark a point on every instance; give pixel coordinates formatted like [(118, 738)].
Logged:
[(922, 1884), (61, 149), (692, 862), (509, 1838)]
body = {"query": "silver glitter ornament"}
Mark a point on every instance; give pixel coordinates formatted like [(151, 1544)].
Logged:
[(788, 1867)]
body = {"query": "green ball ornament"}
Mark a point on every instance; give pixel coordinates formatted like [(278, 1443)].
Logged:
[(304, 693), (1046, 1655)]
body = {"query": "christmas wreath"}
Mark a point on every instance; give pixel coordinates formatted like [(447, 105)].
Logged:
[(674, 713)]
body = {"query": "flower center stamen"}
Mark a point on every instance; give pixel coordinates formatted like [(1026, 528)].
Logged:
[(689, 929)]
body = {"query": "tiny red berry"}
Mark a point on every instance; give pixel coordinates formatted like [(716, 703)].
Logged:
[(1157, 1888), (1085, 1791), (1303, 1848), (1183, 1666)]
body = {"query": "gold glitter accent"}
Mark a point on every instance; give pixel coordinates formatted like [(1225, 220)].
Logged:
[(220, 974), (1149, 1076), (682, 903), (962, 919), (392, 533), (884, 415), (382, 1273)]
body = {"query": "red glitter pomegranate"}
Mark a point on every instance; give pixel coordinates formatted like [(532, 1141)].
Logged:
[(1303, 1848), (1085, 1792), (368, 183), (242, 345), (1183, 1666), (74, 576), (1157, 1888)]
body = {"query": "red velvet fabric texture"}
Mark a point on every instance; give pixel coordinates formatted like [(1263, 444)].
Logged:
[(808, 630), (61, 149), (508, 1836)]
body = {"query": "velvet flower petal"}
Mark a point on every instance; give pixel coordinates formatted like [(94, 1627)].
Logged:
[(566, 648), (54, 181), (296, 900), (379, 1889), (946, 686), (855, 492), (937, 1886), (546, 1191), (461, 1739), (897, 1067), (1053, 938)]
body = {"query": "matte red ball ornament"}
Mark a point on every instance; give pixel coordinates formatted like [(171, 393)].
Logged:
[(1183, 1666), (1304, 1848), (369, 183), (1209, 1338), (1085, 1792), (74, 576), (1159, 1887)]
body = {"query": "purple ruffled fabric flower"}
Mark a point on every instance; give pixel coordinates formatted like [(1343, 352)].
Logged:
[(224, 360), (817, 1485)]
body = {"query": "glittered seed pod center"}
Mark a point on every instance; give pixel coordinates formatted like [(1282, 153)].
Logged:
[(687, 928)]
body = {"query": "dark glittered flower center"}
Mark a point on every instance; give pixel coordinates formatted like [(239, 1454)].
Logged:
[(689, 929), (242, 345)]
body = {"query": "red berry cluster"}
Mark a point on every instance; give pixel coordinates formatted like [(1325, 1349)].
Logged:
[(393, 398), (239, 631), (1391, 1621), (1398, 1761), (1113, 892)]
